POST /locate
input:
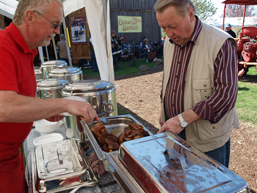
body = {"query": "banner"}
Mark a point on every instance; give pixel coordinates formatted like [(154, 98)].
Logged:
[(129, 24), (78, 31)]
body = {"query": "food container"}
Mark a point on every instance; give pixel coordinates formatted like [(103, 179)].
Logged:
[(166, 163), (49, 65), (50, 88), (60, 166), (38, 73), (100, 94), (72, 74), (114, 125)]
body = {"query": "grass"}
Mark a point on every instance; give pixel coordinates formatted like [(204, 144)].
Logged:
[(247, 99), (125, 68)]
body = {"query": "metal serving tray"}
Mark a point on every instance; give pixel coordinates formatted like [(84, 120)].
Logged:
[(166, 163), (114, 125), (61, 166)]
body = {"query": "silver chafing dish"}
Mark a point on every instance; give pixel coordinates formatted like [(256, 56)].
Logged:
[(61, 166), (166, 163), (163, 163)]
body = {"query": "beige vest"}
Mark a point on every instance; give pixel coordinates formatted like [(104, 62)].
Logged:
[(199, 85)]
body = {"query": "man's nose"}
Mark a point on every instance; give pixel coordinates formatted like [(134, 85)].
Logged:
[(57, 30), (169, 32)]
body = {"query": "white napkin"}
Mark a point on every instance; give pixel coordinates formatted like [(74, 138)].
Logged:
[(76, 98)]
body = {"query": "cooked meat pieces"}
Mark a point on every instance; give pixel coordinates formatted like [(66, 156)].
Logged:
[(112, 146), (96, 130), (109, 142), (133, 131), (93, 157), (96, 164)]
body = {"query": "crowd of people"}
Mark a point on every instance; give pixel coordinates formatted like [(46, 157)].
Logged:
[(146, 49), (197, 97)]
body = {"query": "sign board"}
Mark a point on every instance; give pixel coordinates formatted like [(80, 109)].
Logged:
[(129, 24), (78, 31)]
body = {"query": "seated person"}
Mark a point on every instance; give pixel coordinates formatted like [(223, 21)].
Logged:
[(145, 48)]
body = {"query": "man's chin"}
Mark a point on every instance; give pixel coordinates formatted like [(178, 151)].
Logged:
[(44, 43)]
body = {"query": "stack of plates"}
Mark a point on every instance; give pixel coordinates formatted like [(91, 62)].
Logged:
[(49, 138), (46, 127)]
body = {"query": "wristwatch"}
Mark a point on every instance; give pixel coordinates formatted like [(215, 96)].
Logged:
[(182, 121)]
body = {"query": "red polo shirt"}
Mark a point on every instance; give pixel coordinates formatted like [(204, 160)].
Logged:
[(16, 74)]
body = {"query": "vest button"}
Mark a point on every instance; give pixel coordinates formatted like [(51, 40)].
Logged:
[(204, 85), (213, 127)]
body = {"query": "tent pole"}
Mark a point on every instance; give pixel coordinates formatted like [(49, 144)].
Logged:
[(224, 15), (244, 17), (67, 42), (47, 54), (41, 54)]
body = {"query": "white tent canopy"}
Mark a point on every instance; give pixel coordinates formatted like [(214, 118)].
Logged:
[(7, 7), (98, 16)]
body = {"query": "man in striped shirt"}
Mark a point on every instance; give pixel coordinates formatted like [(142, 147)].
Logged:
[(200, 80)]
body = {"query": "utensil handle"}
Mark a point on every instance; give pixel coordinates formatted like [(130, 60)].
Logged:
[(179, 156)]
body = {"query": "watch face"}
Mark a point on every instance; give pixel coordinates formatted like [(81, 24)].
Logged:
[(183, 124)]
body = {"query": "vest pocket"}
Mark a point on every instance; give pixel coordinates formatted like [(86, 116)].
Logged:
[(202, 89), (208, 131)]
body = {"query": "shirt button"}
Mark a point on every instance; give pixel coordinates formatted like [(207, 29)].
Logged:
[(213, 127), (204, 85)]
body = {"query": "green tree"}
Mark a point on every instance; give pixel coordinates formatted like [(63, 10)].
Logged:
[(204, 9)]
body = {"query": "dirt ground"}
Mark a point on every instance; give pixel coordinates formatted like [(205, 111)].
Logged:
[(140, 95)]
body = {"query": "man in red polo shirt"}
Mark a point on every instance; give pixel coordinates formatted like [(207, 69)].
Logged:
[(34, 24)]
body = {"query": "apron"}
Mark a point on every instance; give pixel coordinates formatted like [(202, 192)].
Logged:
[(12, 173)]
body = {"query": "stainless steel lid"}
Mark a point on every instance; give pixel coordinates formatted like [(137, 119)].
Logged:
[(52, 83), (65, 71), (62, 165), (88, 86), (172, 165), (54, 63)]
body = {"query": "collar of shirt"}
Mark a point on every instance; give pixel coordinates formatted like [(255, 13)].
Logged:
[(195, 34), (16, 35)]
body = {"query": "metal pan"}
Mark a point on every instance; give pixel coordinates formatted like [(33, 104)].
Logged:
[(114, 125)]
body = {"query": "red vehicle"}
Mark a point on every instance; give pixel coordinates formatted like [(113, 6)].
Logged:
[(246, 49)]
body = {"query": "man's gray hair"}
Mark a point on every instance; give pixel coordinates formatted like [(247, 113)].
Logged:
[(35, 5), (181, 6)]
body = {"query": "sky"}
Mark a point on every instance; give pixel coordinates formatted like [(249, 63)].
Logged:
[(219, 5)]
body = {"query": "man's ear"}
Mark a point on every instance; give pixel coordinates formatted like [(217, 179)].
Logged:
[(191, 14), (30, 17)]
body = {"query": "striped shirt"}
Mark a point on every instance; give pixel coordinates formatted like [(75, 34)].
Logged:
[(225, 81)]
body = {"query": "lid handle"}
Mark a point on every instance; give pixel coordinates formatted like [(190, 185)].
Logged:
[(59, 156), (169, 155), (47, 96), (108, 107)]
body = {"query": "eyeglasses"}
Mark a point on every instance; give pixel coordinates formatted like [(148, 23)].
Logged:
[(55, 25)]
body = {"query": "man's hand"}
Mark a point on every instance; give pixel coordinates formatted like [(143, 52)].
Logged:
[(172, 125), (83, 109), (55, 118)]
